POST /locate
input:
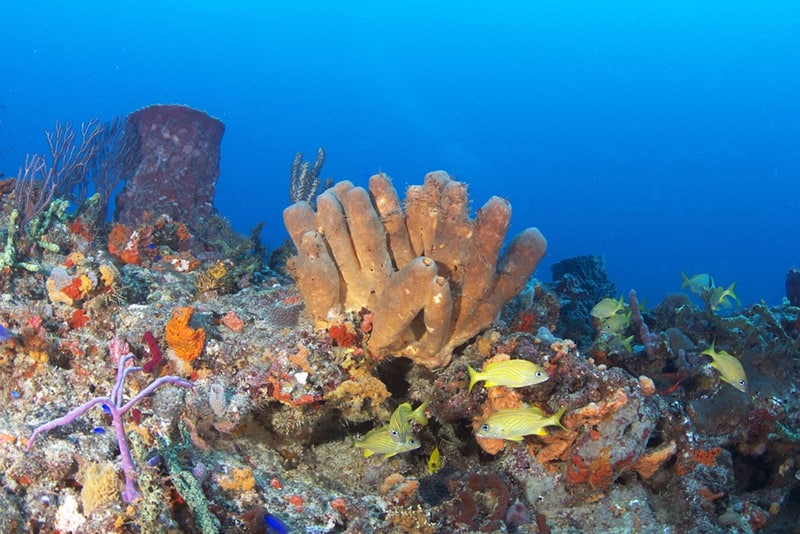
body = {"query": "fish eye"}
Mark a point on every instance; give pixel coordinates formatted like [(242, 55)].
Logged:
[(412, 441), (394, 433), (485, 428), (741, 382), (538, 373)]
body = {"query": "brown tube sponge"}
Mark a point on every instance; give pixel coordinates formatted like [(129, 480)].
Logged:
[(432, 276)]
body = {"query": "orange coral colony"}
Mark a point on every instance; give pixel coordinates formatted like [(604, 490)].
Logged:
[(187, 342), (123, 244)]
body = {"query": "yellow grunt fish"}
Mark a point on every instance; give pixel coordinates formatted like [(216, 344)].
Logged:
[(510, 373), (400, 422), (624, 342), (607, 307), (381, 441), (699, 283), (730, 369), (515, 423), (616, 323), (719, 297)]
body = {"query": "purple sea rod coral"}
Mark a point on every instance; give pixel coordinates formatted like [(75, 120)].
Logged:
[(117, 409)]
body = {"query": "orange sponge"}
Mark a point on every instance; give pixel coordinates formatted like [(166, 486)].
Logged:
[(187, 342)]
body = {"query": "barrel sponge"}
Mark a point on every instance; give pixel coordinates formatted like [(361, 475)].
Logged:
[(432, 276)]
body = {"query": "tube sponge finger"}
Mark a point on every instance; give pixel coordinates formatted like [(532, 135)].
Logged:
[(317, 278), (330, 217), (515, 267), (422, 212), (519, 261), (402, 299), (453, 228), (476, 279), (437, 315), (299, 218), (367, 236), (387, 204)]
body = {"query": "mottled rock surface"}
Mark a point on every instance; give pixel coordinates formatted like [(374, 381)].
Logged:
[(180, 165)]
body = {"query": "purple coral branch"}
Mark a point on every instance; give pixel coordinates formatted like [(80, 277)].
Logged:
[(114, 404), (174, 380)]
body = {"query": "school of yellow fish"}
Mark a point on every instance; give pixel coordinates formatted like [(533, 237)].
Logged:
[(513, 424)]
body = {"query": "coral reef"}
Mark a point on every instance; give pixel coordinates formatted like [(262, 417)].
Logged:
[(113, 403), (264, 439), (430, 274)]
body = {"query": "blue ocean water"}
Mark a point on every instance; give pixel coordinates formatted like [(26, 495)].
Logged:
[(665, 136)]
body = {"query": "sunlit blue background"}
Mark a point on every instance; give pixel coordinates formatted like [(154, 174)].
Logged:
[(666, 137)]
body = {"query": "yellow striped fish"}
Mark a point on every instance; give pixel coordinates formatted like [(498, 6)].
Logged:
[(381, 441), (515, 423), (400, 422), (509, 373)]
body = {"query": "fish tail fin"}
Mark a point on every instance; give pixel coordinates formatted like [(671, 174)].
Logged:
[(473, 377), (626, 343), (685, 280), (731, 293), (418, 415), (557, 417)]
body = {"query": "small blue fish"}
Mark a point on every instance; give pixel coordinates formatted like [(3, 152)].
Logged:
[(4, 335), (275, 525), (99, 430), (154, 459)]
